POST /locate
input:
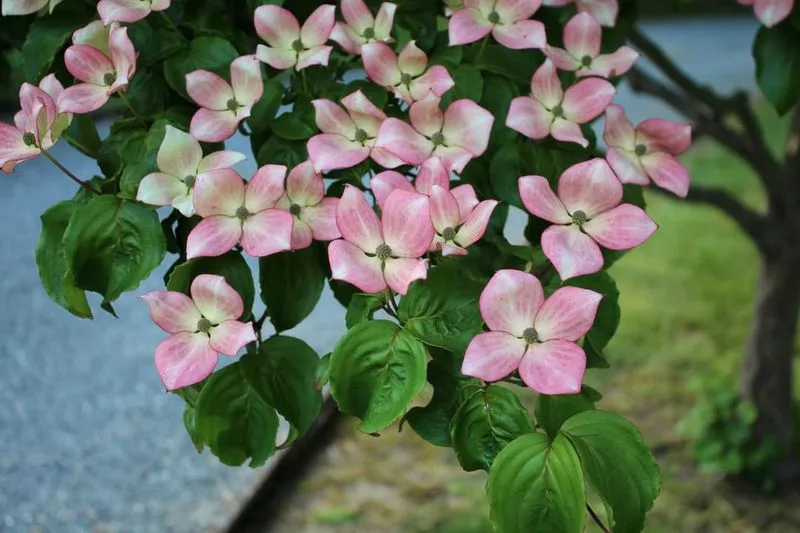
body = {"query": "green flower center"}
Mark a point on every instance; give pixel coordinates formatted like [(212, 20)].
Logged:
[(369, 33), (494, 17), (232, 105), (242, 213), (579, 218), (383, 252), (640, 150), (449, 234), (204, 325), (361, 135), (189, 181), (29, 139), (557, 111), (530, 336), (438, 138), (586, 61), (109, 78), (406, 78), (295, 209), (297, 46)]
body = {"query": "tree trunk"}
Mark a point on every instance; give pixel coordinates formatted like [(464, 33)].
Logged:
[(767, 373)]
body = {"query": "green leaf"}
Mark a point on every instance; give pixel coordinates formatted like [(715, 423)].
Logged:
[(283, 152), (190, 423), (46, 37), (469, 84), (497, 95), (536, 485), (298, 124), (777, 56), (552, 411), (111, 245), (230, 266), (120, 148), (208, 53), (148, 93), (283, 372), (516, 65), (485, 423), (608, 313), (264, 110), (56, 280), (376, 370), (443, 310), (233, 419), (504, 173), (155, 40), (323, 374), (291, 284), (362, 308), (618, 465), (82, 134)]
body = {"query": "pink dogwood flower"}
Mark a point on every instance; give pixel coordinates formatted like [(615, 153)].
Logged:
[(458, 218), (406, 75), (180, 161), (582, 39), (552, 111), (128, 10), (224, 105), (103, 59), (587, 212), (348, 135), (380, 253), (314, 214), (532, 334), (289, 45), (201, 328), (451, 6), (234, 213), (507, 20), (457, 135), (361, 27), (432, 172), (26, 7), (37, 126), (648, 151), (604, 11), (770, 12)]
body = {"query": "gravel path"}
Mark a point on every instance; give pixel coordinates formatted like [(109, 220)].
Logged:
[(90, 441)]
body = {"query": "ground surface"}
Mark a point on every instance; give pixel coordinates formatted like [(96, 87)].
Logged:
[(91, 442)]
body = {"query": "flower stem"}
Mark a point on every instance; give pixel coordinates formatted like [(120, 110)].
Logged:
[(305, 82), (69, 174), (597, 519), (129, 105), (479, 55)]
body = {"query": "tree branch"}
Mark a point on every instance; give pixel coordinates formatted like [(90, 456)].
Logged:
[(596, 519)]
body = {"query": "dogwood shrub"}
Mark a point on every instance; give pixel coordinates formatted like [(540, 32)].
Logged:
[(392, 141)]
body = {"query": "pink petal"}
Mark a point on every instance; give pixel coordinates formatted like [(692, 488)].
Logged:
[(216, 299), (208, 90), (213, 236), (231, 336), (403, 141), (521, 35), (627, 167), (94, 34), (517, 9), (350, 264), (385, 158), (590, 187), (540, 200), (277, 26), (614, 64), (555, 367), (160, 189), (219, 192), (771, 12), (88, 64), (426, 116), (384, 20), (444, 210), (380, 63), (331, 152), (304, 186), (605, 11), (618, 131), (467, 26), (437, 81), (317, 28), (493, 355), (122, 10), (622, 228), (667, 172), (545, 85), (454, 158), (322, 219), (173, 311), (582, 36), (663, 136), (467, 200), (221, 159), (475, 225), (567, 131), (302, 236), (347, 38), (267, 232), (529, 117), (572, 252), (357, 222), (246, 81), (412, 60), (22, 7), (468, 125), (213, 126), (407, 226), (82, 98), (179, 154), (333, 119), (276, 58), (185, 359), (13, 147), (510, 301), (402, 272), (562, 59), (432, 172), (357, 14), (265, 188), (123, 55), (319, 55), (568, 314), (587, 99), (364, 113), (383, 184), (451, 248)]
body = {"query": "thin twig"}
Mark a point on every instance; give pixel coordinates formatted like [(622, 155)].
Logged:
[(259, 323), (596, 519), (69, 174), (129, 105)]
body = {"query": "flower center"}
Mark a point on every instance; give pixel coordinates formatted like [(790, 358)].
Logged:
[(640, 150), (383, 252), (189, 181), (530, 336), (361, 135), (297, 46), (438, 138), (232, 105), (109, 78), (579, 218), (29, 139), (369, 33), (586, 61), (557, 111), (204, 325), (494, 17), (242, 213), (406, 78), (295, 209), (449, 234)]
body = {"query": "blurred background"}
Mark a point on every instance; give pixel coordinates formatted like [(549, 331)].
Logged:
[(90, 441)]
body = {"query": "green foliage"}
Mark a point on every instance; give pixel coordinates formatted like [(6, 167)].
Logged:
[(291, 284), (778, 64), (208, 53), (46, 38)]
